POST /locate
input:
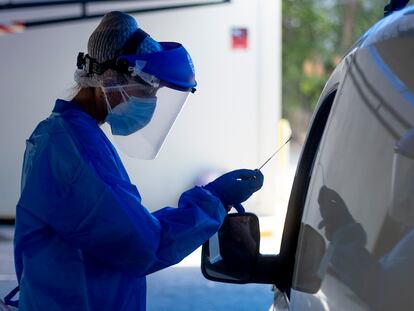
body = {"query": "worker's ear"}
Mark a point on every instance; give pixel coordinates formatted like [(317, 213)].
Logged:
[(99, 96)]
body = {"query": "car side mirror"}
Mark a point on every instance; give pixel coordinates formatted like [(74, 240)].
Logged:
[(231, 254)]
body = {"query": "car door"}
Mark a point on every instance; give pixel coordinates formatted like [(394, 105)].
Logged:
[(360, 191)]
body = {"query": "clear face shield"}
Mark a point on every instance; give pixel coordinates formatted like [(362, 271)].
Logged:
[(141, 116), (401, 207), (144, 92)]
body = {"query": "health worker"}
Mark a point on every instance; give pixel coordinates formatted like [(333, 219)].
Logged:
[(83, 240)]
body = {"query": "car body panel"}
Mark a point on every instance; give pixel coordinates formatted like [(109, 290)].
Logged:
[(348, 239), (367, 263)]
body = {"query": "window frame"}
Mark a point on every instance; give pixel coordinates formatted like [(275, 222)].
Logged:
[(296, 205)]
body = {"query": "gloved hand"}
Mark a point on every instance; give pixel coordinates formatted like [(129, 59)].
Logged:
[(334, 211), (235, 187)]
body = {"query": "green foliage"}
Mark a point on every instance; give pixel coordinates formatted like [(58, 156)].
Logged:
[(310, 87), (315, 34)]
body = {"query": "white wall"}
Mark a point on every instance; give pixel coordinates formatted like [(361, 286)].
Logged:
[(229, 123)]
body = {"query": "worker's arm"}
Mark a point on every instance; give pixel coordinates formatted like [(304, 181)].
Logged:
[(105, 218), (198, 216)]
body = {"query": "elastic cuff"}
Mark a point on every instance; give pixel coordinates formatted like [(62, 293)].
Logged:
[(211, 193)]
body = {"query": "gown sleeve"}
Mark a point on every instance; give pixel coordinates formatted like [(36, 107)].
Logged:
[(105, 218)]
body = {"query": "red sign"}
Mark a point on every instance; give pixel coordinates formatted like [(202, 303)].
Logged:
[(239, 39), (11, 28)]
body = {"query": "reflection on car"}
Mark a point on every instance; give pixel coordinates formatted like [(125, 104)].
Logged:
[(348, 240)]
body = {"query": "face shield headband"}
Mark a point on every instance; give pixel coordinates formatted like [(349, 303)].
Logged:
[(171, 67)]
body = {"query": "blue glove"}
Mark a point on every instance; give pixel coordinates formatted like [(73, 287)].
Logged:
[(235, 187)]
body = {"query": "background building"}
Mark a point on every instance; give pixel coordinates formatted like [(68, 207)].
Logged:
[(230, 122)]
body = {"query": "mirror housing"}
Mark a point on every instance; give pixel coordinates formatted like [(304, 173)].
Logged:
[(232, 256)]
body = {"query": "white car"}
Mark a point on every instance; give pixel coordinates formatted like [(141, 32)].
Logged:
[(348, 240)]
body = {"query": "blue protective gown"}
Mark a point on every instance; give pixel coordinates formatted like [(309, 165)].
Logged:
[(83, 241)]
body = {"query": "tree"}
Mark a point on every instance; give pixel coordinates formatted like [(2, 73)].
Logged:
[(315, 34)]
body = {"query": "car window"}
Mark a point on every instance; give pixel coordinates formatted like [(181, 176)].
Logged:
[(360, 200)]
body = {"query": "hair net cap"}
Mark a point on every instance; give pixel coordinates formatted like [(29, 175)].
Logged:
[(108, 39), (110, 35)]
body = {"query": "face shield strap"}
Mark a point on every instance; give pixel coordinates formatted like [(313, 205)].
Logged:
[(90, 65)]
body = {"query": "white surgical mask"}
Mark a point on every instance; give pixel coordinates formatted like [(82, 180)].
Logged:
[(131, 115)]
